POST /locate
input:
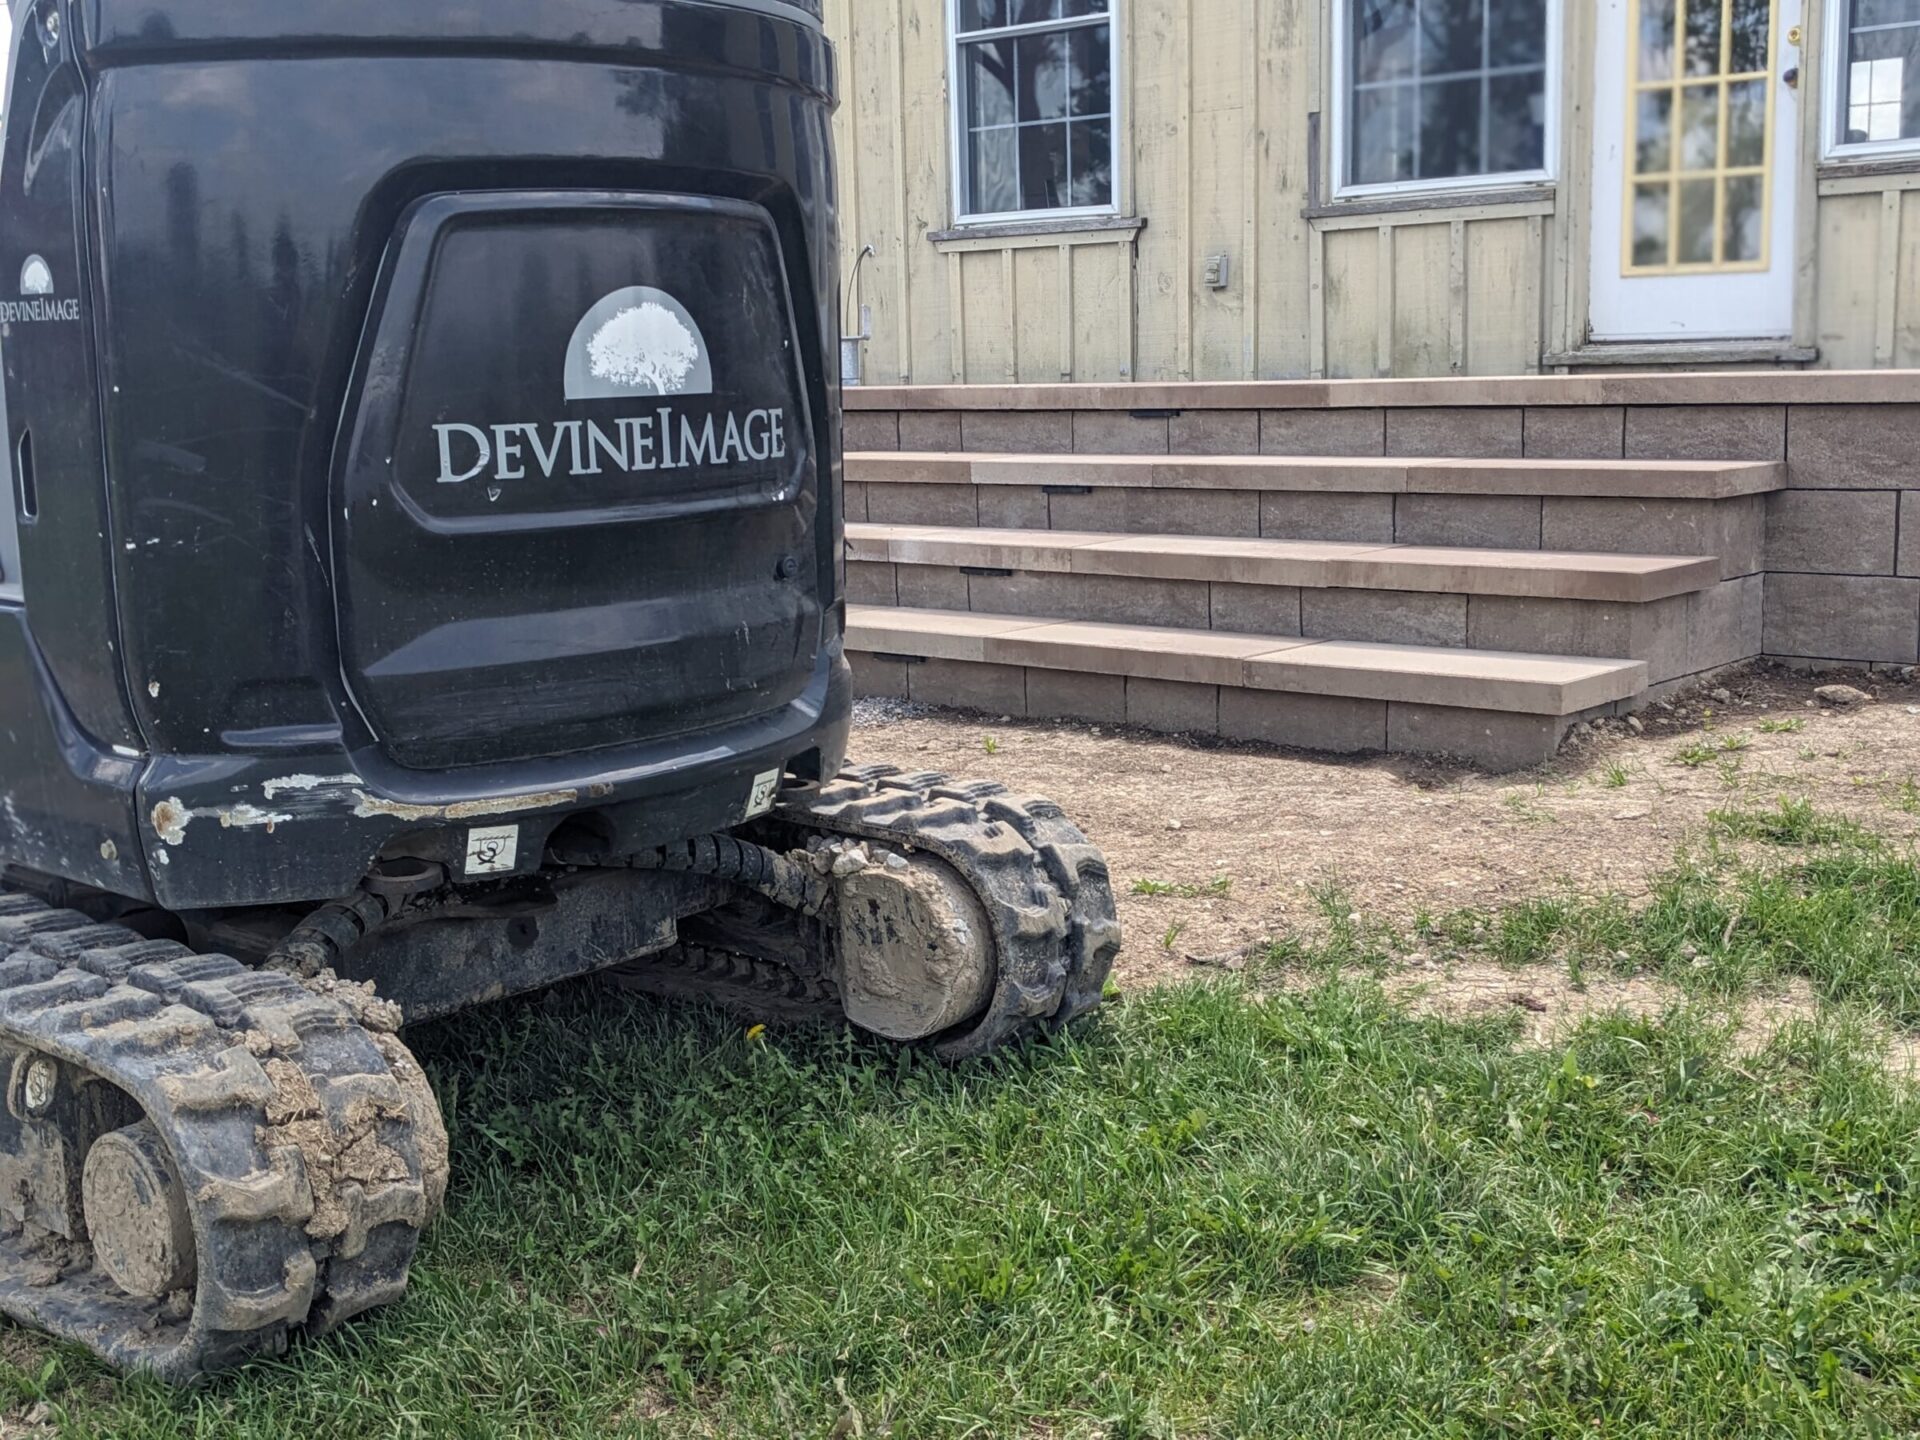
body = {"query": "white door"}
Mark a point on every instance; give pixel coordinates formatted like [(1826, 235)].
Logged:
[(1696, 141)]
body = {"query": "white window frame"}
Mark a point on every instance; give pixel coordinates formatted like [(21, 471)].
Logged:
[(1342, 127), (957, 137), (1833, 104)]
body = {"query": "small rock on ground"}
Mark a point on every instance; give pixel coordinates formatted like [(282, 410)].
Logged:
[(1842, 697)]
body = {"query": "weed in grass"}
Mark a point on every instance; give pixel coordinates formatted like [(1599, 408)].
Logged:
[(1793, 822), (1792, 725), (1807, 754), (1171, 936), (1729, 772), (1695, 755), (1733, 744), (1906, 796), (1615, 777), (1218, 888), (1524, 809), (991, 745)]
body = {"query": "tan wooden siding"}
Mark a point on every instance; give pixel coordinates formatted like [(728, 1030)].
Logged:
[(1869, 272), (1215, 98)]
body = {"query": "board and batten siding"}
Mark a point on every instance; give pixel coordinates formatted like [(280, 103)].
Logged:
[(1224, 153)]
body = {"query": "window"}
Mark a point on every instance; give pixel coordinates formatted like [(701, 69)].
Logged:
[(1876, 84), (1701, 149), (1033, 107), (1444, 94)]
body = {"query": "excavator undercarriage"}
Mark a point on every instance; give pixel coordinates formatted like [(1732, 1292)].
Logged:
[(201, 1155)]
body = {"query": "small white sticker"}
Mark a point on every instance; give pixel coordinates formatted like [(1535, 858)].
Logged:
[(765, 788), (493, 852)]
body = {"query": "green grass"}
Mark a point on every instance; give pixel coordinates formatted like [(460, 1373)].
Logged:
[(1795, 822), (1217, 1211), (1218, 888)]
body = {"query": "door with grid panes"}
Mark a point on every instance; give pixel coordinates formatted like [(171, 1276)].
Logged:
[(1696, 136)]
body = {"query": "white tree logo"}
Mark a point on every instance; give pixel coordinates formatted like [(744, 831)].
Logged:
[(644, 346), (36, 277)]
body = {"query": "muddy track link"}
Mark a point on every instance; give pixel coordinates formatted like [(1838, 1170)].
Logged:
[(752, 989), (1046, 890), (307, 1146)]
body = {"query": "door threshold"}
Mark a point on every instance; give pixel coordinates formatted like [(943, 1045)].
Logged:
[(1654, 354)]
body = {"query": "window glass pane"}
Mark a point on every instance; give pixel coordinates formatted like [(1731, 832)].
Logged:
[(1656, 39), (1650, 224), (1883, 85), (1383, 39), (1041, 64), (982, 14), (1700, 127), (1745, 219), (1043, 167), (1450, 35), (1653, 148), (1092, 160), (994, 176), (1694, 243), (1450, 129), (1747, 122), (1885, 12), (989, 93), (1752, 27), (1089, 58), (1426, 102), (1383, 135), (1703, 38), (1035, 109), (1516, 124), (1517, 32)]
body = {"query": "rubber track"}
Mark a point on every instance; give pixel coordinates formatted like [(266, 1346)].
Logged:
[(171, 1028), (753, 989), (1045, 888)]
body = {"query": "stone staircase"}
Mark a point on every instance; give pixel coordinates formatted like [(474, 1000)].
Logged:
[(1475, 608)]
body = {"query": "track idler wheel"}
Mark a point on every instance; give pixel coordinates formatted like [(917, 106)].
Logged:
[(137, 1214), (914, 944)]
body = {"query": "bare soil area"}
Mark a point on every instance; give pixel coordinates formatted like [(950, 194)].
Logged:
[(1216, 847)]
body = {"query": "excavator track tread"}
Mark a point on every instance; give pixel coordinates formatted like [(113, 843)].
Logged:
[(299, 1156), (740, 984), (1046, 890)]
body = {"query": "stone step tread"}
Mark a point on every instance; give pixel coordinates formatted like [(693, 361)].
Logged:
[(1490, 680), (1630, 479), (1316, 564), (1662, 387)]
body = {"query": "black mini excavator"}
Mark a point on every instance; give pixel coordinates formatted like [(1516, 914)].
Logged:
[(421, 583)]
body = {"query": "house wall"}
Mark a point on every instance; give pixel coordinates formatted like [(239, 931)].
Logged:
[(1225, 153)]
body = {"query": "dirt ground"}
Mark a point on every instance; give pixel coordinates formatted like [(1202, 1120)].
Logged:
[(1254, 841)]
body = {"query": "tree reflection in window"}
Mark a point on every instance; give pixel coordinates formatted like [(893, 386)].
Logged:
[(1036, 105)]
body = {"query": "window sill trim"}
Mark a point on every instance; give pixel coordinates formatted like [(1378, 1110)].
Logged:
[(1537, 198), (1015, 234), (1868, 166), (1655, 354)]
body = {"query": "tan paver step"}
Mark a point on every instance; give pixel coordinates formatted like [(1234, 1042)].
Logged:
[(1625, 479), (1543, 574), (1548, 685)]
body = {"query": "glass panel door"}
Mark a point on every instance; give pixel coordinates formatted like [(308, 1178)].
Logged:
[(1696, 131)]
